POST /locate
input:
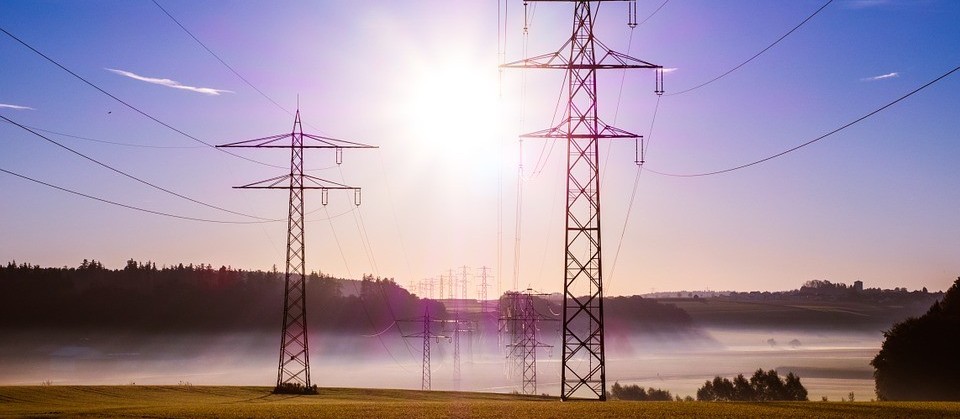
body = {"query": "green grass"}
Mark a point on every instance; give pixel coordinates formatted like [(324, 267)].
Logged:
[(257, 402)]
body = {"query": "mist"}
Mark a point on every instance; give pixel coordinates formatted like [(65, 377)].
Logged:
[(831, 364)]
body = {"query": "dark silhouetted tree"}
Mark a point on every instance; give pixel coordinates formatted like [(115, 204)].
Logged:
[(635, 392), (762, 386), (920, 357)]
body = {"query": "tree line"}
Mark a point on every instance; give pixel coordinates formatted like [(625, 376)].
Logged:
[(189, 298), (762, 386)]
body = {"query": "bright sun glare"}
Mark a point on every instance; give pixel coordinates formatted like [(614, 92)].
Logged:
[(455, 109)]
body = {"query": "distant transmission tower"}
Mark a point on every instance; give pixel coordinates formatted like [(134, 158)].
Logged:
[(483, 287), (524, 319), (426, 334), (463, 282), (583, 371), (293, 373)]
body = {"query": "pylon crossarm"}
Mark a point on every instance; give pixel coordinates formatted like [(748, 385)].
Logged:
[(328, 142), (560, 132), (259, 142), (622, 61), (552, 60), (282, 182), (318, 141)]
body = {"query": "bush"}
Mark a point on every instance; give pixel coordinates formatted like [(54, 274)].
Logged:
[(635, 392), (763, 386)]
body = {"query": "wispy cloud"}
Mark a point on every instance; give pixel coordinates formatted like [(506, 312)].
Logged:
[(17, 107), (864, 4), (881, 77), (669, 69), (170, 83)]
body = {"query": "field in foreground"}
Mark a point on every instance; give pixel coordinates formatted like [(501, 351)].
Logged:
[(252, 402)]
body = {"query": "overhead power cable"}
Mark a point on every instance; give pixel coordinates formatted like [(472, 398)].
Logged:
[(135, 208), (654, 13), (737, 67), (234, 71), (790, 150), (125, 174), (117, 143), (134, 108)]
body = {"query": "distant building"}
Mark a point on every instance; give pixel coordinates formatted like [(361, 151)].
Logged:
[(858, 286)]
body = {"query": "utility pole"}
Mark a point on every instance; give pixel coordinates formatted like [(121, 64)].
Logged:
[(583, 370), (293, 372)]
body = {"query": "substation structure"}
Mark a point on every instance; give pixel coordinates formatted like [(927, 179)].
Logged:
[(583, 370), (293, 371), (519, 325)]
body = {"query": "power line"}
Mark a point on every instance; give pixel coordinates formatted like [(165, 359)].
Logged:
[(117, 143), (121, 172), (755, 55), (135, 208), (134, 108), (843, 127), (220, 59), (654, 13)]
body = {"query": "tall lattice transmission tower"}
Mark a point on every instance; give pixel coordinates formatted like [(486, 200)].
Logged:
[(293, 372), (583, 370)]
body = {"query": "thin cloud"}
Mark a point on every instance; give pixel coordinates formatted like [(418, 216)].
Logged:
[(17, 107), (882, 76), (864, 4), (170, 83), (669, 69)]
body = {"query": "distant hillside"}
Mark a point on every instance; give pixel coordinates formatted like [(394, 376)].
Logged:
[(818, 305)]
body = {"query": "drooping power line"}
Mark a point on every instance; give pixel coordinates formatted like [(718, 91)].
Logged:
[(135, 208), (790, 150), (125, 174), (128, 105), (737, 67)]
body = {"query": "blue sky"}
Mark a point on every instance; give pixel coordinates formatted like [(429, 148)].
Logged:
[(876, 202)]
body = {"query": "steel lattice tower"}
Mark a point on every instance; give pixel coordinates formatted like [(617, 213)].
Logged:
[(293, 372), (583, 371), (520, 316), (426, 334)]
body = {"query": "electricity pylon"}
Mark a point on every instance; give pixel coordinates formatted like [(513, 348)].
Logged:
[(523, 319), (583, 370), (463, 282), (426, 334), (293, 372), (483, 287)]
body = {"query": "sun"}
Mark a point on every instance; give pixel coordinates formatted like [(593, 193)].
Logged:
[(454, 108)]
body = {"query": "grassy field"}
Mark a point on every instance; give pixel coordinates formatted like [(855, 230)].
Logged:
[(257, 402)]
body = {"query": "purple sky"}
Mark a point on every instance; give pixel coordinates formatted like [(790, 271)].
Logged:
[(876, 202)]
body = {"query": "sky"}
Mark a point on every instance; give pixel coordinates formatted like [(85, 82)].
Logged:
[(874, 202)]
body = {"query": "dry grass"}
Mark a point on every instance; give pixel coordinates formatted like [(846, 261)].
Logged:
[(257, 402)]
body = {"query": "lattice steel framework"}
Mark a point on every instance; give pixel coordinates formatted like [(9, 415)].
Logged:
[(583, 371), (293, 372), (425, 335), (520, 319)]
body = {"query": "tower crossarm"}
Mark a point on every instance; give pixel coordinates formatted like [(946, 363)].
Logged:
[(276, 141), (283, 182), (562, 131)]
